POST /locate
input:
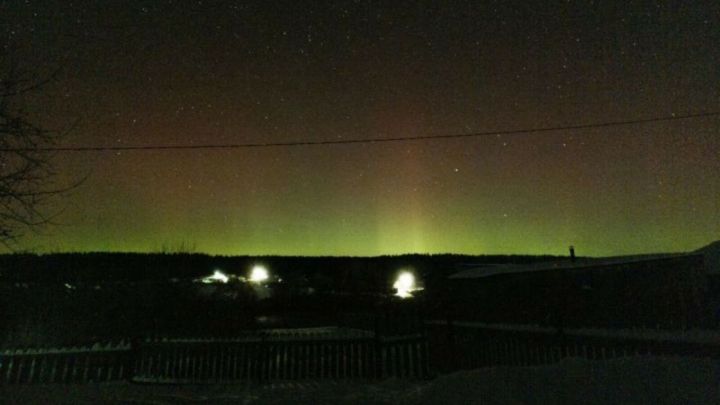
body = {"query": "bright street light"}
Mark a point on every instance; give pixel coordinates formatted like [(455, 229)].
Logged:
[(258, 274), (405, 284)]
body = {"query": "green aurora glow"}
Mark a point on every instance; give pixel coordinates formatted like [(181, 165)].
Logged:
[(257, 74)]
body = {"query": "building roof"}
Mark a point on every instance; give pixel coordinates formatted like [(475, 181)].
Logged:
[(712, 257), (503, 269)]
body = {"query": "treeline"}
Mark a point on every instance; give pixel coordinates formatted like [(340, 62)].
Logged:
[(345, 272), (113, 295)]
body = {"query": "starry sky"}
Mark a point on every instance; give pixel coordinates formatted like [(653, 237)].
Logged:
[(206, 72)]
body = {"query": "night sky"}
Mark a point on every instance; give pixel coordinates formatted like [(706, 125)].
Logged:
[(185, 73)]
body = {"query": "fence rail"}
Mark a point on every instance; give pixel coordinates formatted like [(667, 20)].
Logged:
[(456, 346), (67, 365), (337, 353), (282, 359), (261, 357)]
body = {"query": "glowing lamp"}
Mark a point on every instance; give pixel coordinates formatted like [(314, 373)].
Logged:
[(405, 284), (217, 277), (258, 274)]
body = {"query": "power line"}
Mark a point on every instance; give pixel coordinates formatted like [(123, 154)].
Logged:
[(360, 140)]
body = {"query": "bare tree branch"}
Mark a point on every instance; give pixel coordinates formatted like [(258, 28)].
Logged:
[(27, 176)]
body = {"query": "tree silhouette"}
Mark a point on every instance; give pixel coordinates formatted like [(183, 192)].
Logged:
[(27, 175)]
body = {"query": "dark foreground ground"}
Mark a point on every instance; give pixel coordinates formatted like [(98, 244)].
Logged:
[(638, 380)]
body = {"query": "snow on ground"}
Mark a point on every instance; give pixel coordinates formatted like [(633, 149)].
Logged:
[(635, 380), (288, 392)]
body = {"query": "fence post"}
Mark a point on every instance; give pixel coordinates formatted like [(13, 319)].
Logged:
[(450, 336), (377, 352), (9, 368), (260, 358), (133, 359), (53, 369)]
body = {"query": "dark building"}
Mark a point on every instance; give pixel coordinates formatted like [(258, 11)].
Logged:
[(711, 253), (659, 291)]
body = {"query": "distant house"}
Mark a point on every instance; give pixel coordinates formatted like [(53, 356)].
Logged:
[(658, 291), (711, 253)]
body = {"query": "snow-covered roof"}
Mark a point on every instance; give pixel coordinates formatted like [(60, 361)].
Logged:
[(493, 270)]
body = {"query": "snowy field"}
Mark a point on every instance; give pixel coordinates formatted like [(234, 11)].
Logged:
[(638, 380)]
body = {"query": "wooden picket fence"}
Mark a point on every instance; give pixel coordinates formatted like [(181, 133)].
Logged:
[(279, 356), (469, 345), (341, 353), (95, 363), (317, 353)]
